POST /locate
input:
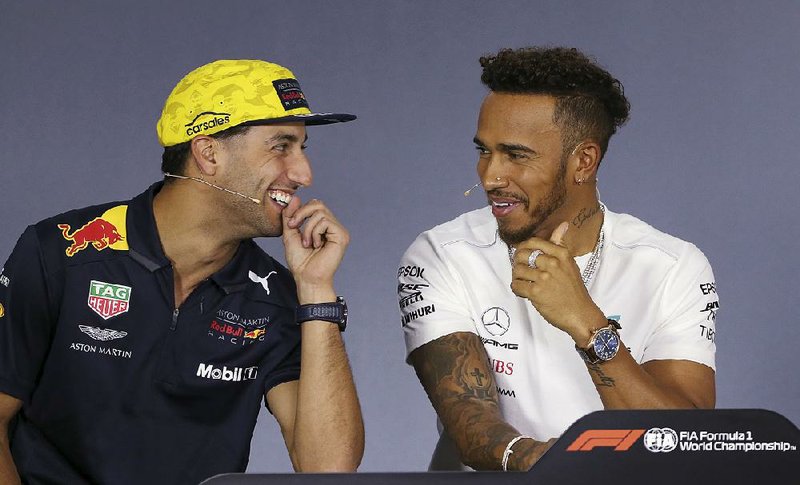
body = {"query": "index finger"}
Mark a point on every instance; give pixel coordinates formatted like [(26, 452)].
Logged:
[(309, 209), (289, 212)]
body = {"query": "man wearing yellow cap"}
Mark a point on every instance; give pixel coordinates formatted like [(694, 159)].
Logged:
[(138, 338)]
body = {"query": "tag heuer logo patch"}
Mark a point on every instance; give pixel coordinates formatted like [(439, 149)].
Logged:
[(104, 334), (109, 300)]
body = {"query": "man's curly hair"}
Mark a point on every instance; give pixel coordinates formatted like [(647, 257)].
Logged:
[(590, 102)]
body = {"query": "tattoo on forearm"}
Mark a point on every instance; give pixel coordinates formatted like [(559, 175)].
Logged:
[(464, 395), (604, 379), (584, 215)]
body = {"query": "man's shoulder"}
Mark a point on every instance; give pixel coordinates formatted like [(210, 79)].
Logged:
[(630, 234), (478, 228), (79, 216), (70, 233)]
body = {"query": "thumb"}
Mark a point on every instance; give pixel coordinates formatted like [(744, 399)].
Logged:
[(558, 234)]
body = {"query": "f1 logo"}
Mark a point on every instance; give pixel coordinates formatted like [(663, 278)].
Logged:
[(619, 439)]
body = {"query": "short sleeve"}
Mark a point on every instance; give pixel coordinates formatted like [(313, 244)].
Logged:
[(287, 371), (27, 318), (430, 295), (690, 304)]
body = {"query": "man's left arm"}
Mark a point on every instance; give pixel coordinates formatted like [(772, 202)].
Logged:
[(555, 288), (319, 414)]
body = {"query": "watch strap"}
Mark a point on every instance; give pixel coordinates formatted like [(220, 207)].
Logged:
[(334, 312)]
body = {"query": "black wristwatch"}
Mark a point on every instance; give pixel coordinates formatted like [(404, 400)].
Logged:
[(603, 344), (328, 312)]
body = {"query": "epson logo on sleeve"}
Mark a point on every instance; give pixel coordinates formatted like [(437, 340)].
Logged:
[(235, 374), (707, 288), (410, 272)]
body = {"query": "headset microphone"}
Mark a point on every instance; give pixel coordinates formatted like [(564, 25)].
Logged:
[(468, 191), (251, 199)]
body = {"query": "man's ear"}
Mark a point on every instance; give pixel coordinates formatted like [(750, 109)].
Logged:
[(203, 150), (585, 160)]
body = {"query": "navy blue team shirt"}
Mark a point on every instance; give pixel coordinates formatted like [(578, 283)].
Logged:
[(117, 385)]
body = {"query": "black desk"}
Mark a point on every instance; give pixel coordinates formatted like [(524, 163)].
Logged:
[(708, 447)]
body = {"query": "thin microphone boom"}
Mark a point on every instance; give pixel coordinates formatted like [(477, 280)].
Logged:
[(183, 177), (469, 190)]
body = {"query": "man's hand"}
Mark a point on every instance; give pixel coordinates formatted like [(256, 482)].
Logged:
[(315, 242), (555, 287)]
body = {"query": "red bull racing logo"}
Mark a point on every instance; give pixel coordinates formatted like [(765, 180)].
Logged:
[(238, 330), (101, 232)]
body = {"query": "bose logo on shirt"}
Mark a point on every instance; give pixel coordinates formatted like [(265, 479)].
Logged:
[(235, 374)]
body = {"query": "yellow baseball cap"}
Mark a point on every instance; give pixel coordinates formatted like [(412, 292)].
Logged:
[(227, 93)]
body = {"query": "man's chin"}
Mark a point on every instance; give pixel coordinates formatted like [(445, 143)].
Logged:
[(515, 235)]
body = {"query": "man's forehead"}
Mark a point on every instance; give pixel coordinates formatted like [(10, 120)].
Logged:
[(513, 113)]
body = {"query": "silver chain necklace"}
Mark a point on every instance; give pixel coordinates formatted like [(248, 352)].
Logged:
[(594, 259)]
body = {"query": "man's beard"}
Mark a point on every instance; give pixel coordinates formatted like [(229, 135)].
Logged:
[(546, 207)]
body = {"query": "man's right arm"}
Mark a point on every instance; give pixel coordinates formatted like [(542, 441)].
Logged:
[(455, 373), (9, 406)]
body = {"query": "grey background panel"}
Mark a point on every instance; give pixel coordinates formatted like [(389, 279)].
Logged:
[(709, 154)]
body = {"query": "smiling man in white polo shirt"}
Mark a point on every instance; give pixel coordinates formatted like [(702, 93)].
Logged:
[(521, 317)]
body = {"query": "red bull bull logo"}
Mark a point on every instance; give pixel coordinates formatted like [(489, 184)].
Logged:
[(101, 232), (254, 334)]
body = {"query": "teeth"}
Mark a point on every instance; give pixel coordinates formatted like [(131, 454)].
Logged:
[(280, 197)]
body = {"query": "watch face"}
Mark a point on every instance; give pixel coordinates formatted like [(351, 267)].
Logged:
[(606, 344)]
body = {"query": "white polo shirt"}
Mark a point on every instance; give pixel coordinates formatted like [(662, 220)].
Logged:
[(456, 278)]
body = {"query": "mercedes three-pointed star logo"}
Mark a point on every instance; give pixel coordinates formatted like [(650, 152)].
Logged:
[(496, 321)]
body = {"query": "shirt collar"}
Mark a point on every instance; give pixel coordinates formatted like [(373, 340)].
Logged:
[(145, 248)]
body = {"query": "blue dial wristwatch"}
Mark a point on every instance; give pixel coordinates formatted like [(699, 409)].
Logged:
[(603, 344), (335, 312)]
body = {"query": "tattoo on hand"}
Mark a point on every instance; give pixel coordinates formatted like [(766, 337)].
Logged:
[(604, 379), (584, 215)]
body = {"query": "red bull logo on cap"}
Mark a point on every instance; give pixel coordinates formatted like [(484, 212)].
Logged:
[(101, 232)]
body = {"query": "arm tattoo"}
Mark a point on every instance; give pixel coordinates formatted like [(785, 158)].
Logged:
[(455, 373), (604, 379), (584, 215)]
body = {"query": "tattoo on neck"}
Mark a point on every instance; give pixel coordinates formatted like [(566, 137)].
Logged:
[(584, 215), (604, 379)]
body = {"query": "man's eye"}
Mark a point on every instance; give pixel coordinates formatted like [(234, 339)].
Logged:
[(280, 148), (482, 150), (303, 146), (516, 156)]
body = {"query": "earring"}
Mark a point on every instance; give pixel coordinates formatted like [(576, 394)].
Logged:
[(579, 181)]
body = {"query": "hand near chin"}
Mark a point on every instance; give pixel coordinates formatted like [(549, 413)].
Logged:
[(554, 285), (315, 243)]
